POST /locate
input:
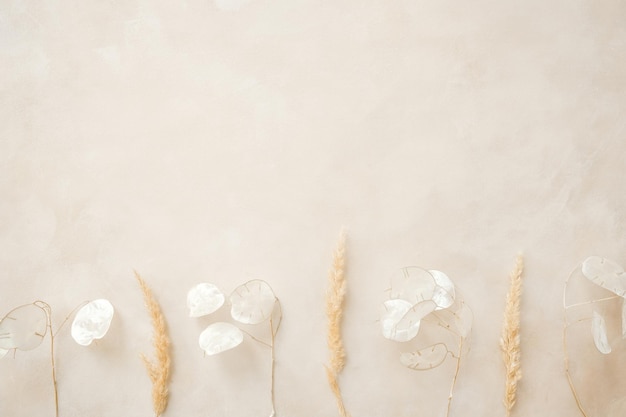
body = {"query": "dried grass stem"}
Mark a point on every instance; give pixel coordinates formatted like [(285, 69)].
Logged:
[(159, 369), (510, 341), (334, 311)]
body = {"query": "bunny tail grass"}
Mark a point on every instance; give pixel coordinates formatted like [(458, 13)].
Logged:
[(510, 341), (334, 311), (159, 370)]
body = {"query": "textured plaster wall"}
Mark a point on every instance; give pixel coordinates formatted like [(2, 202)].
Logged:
[(225, 140)]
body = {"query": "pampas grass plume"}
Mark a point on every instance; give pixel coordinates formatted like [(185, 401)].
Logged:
[(334, 311), (510, 341), (158, 370)]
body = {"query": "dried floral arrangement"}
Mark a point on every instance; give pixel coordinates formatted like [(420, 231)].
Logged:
[(510, 340), (25, 327), (334, 312), (159, 369), (420, 298), (594, 295), (252, 303)]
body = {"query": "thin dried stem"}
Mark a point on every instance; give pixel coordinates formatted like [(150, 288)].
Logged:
[(599, 300), (334, 386), (78, 307), (256, 339), (456, 373), (273, 332), (570, 381), (274, 326), (334, 311), (48, 311), (510, 341), (159, 370)]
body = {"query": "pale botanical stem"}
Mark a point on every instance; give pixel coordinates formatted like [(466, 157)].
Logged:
[(273, 333), (78, 307), (456, 374), (256, 339), (270, 345), (272, 355), (442, 324), (54, 372), (599, 300), (48, 311), (569, 376), (565, 351)]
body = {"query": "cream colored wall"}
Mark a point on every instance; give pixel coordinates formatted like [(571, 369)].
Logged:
[(224, 141)]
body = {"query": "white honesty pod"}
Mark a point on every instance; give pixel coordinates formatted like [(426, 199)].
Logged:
[(23, 328), (426, 358), (412, 284), (92, 321), (605, 273), (204, 299), (417, 295), (611, 276), (426, 301), (598, 330), (252, 302), (395, 310), (463, 318), (443, 295), (594, 302), (219, 337)]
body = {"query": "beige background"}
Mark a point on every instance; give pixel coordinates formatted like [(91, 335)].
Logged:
[(228, 140)]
